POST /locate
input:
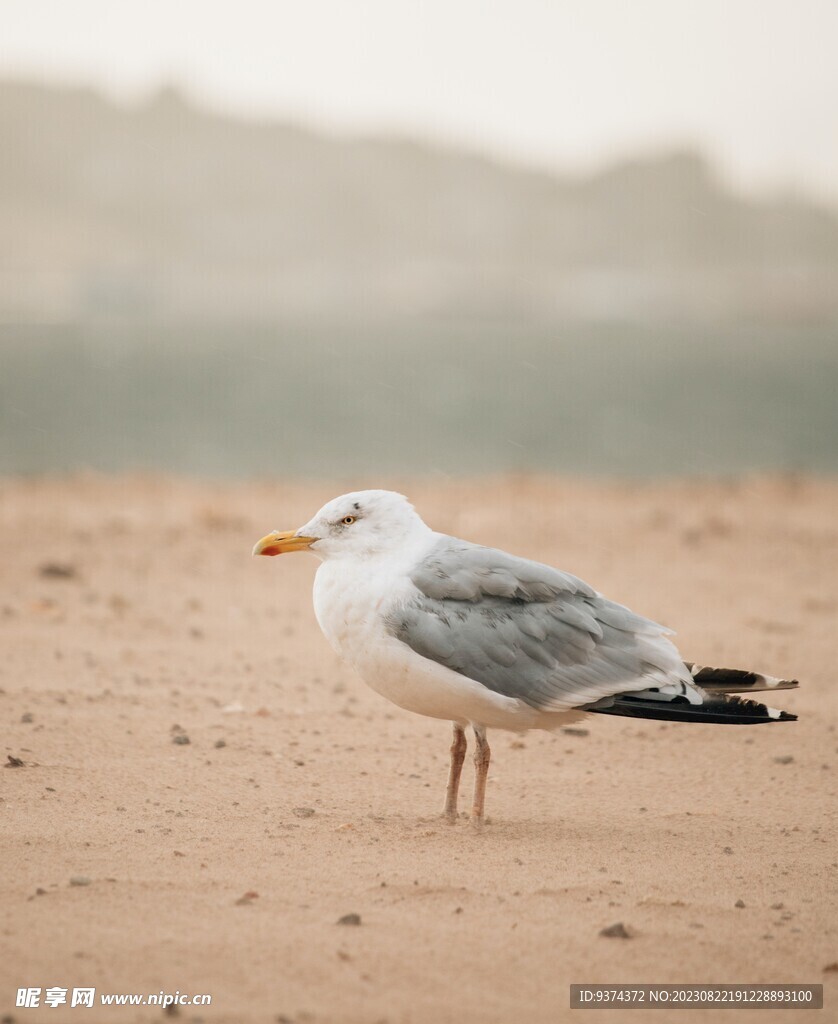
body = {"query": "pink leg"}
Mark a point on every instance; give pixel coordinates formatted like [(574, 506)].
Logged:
[(482, 754), (458, 755)]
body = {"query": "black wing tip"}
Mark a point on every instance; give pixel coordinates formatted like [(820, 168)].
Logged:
[(725, 710), (731, 680)]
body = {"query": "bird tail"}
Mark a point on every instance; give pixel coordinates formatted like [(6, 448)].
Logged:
[(735, 680)]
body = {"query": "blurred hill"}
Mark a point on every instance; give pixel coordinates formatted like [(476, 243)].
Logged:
[(165, 211)]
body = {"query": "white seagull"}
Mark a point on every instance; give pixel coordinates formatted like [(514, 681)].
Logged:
[(457, 631)]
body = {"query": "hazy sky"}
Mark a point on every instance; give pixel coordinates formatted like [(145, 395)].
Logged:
[(567, 84)]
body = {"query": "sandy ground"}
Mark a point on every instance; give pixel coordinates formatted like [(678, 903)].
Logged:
[(309, 792)]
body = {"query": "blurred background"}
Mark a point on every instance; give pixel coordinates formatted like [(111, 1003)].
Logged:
[(438, 238)]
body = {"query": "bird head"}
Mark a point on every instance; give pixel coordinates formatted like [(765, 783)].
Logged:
[(361, 523)]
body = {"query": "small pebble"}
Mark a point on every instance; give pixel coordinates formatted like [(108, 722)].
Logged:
[(80, 880), (351, 919), (784, 759), (181, 739), (616, 931), (27, 717), (220, 743), (57, 571)]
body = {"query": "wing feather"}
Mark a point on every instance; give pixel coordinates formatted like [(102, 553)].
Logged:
[(529, 631)]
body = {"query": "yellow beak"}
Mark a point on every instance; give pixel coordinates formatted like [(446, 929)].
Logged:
[(277, 543)]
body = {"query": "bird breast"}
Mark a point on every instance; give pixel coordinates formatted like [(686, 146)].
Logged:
[(349, 602)]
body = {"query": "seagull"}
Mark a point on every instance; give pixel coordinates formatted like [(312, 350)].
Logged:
[(473, 635)]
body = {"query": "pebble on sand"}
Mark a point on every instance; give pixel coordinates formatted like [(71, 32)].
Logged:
[(57, 571), (351, 919), (617, 931)]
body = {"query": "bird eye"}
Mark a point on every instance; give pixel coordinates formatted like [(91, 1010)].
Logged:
[(348, 520)]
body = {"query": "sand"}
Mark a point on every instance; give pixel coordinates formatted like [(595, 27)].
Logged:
[(131, 614)]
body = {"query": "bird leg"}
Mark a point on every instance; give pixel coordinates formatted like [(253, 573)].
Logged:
[(482, 753), (458, 755)]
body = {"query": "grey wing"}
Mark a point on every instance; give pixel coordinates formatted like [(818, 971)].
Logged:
[(529, 631)]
